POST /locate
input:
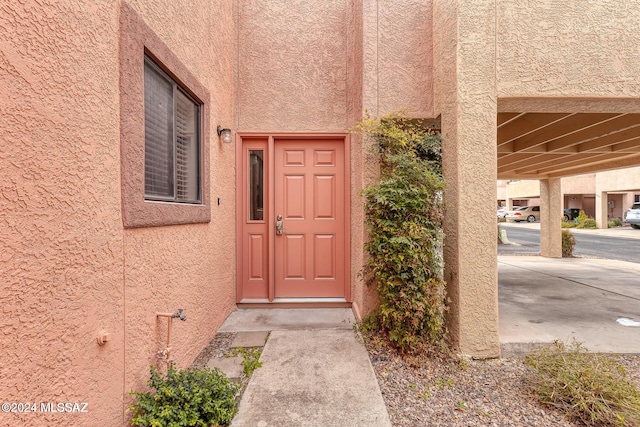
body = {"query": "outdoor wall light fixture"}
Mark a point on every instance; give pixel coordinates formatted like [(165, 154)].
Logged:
[(225, 134)]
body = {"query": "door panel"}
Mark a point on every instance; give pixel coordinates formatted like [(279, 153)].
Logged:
[(257, 270), (309, 194), (324, 261), (253, 265), (294, 256), (294, 201)]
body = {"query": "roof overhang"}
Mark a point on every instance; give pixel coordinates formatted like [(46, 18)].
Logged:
[(541, 139)]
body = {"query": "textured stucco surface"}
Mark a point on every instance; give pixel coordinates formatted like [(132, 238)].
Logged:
[(523, 189), (61, 256), (465, 93), (300, 63), (398, 57), (397, 73), (573, 48), (567, 57), (186, 266), (318, 66), (69, 268), (579, 184), (292, 66), (618, 180), (405, 57)]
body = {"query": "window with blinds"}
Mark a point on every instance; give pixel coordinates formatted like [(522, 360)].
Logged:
[(172, 139)]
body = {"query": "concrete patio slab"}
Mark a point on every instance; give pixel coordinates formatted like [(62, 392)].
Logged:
[(230, 366), (250, 339), (270, 319), (543, 299)]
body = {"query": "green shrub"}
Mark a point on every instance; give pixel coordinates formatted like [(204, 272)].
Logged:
[(404, 221), (568, 243), (569, 224), (614, 222), (582, 216), (199, 397), (594, 388), (583, 221), (587, 223)]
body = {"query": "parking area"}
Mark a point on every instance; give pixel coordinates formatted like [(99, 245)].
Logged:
[(595, 301)]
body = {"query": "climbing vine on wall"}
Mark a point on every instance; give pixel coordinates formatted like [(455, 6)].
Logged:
[(404, 221)]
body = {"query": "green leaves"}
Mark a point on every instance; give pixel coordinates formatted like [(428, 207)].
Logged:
[(404, 220), (250, 359), (199, 397)]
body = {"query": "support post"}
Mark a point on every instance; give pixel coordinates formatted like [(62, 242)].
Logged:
[(466, 97), (551, 218)]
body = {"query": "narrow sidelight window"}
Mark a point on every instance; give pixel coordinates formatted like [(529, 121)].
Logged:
[(256, 185), (171, 139)]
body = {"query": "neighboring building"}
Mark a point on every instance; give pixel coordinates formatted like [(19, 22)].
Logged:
[(618, 188), (119, 199)]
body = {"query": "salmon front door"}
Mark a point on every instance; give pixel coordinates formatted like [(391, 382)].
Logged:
[(293, 221)]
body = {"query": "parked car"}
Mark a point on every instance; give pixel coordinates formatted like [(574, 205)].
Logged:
[(502, 212), (633, 216), (570, 214), (524, 213)]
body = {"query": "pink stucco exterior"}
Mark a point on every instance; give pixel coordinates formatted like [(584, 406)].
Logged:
[(82, 252), (69, 268)]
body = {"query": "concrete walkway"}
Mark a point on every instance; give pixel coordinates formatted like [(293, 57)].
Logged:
[(315, 371)]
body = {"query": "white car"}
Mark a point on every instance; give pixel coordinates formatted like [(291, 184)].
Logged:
[(633, 216), (524, 213), (502, 212)]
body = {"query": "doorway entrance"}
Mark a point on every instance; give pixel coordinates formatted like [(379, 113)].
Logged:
[(293, 210)]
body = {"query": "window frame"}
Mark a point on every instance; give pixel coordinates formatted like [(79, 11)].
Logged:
[(138, 40), (174, 147)]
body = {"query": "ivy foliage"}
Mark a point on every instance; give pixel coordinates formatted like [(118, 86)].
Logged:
[(404, 216), (199, 397)]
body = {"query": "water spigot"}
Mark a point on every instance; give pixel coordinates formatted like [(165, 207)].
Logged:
[(179, 315)]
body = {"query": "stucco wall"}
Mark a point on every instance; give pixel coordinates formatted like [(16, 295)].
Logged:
[(567, 48), (580, 184), (61, 260), (295, 62), (186, 266), (619, 180), (69, 268), (398, 40), (292, 73), (523, 189)]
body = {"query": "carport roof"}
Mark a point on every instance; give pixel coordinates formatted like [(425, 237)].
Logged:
[(559, 137)]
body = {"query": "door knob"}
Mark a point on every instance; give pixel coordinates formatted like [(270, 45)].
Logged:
[(279, 225)]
